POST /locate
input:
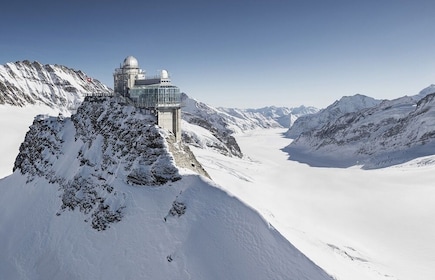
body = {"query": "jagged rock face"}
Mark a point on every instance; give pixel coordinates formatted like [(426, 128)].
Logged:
[(26, 82), (84, 154), (393, 132)]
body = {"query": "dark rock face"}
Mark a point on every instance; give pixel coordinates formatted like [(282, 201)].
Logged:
[(178, 209)]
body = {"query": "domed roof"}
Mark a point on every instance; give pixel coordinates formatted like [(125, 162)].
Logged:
[(130, 62), (164, 74)]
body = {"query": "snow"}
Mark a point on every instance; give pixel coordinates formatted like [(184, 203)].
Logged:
[(214, 237), (14, 123), (25, 82), (355, 224), (393, 132), (217, 238), (347, 104)]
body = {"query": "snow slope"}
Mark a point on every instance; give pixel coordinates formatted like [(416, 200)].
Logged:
[(356, 224), (98, 196)]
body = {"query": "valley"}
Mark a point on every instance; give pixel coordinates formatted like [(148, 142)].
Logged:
[(354, 223)]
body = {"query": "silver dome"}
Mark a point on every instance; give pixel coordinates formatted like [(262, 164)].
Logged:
[(130, 62)]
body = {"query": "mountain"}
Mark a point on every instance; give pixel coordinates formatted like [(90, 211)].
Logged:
[(25, 82), (107, 194), (218, 124), (30, 88), (347, 104), (268, 117), (389, 133)]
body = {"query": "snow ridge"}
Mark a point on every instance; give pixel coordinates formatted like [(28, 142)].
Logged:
[(25, 82)]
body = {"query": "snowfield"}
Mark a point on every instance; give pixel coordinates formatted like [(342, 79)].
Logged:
[(217, 238), (354, 223)]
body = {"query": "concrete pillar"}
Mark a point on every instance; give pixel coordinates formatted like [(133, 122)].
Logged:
[(170, 119)]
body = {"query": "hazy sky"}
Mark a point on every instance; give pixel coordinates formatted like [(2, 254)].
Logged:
[(236, 53)]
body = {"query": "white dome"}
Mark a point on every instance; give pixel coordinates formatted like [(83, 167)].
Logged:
[(130, 62), (164, 74)]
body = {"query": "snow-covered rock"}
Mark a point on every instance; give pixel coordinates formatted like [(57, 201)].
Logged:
[(30, 88), (212, 120), (269, 117), (100, 196), (347, 104), (393, 132), (428, 90), (220, 123), (57, 86)]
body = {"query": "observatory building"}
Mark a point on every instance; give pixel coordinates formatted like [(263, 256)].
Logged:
[(155, 94)]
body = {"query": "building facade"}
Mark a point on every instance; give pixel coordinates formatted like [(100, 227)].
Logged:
[(156, 94)]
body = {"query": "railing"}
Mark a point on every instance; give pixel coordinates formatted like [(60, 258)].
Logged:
[(100, 94), (145, 101)]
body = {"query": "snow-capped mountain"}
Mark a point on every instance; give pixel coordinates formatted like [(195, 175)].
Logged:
[(392, 132), (107, 194), (57, 86), (347, 104), (218, 124), (267, 117), (30, 88)]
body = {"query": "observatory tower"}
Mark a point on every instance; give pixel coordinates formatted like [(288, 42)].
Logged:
[(156, 94)]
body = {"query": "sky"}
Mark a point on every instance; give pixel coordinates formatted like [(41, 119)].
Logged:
[(243, 54)]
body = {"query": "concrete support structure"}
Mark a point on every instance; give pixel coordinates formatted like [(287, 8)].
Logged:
[(170, 119)]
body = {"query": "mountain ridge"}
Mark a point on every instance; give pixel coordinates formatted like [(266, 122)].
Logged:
[(220, 123), (99, 195), (389, 133), (26, 82)]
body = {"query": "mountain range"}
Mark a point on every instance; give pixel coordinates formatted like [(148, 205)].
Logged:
[(219, 124), (99, 191), (359, 130)]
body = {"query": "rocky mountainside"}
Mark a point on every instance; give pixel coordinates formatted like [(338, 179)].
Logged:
[(93, 144), (267, 117), (102, 195), (31, 88), (25, 82), (346, 104), (220, 123), (392, 132)]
